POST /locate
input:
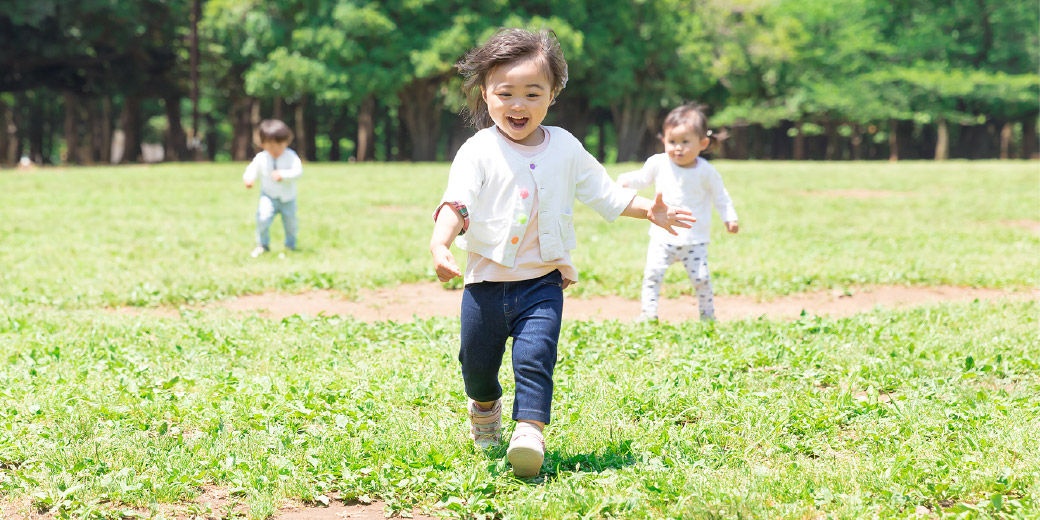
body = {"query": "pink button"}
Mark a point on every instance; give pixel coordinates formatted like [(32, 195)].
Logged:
[(524, 193)]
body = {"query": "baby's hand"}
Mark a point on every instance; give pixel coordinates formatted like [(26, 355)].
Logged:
[(732, 227), (666, 216), (276, 176), (622, 182), (445, 263), (248, 185)]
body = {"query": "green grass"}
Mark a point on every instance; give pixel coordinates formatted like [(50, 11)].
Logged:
[(867, 416), (753, 419), (178, 233)]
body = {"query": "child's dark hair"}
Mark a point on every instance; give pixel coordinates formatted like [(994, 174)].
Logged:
[(274, 130), (505, 46), (693, 116)]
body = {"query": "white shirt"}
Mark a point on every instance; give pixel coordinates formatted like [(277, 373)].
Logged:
[(289, 166), (695, 189), (495, 183)]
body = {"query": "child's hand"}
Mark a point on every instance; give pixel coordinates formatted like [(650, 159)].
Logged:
[(445, 263), (248, 185), (732, 227), (276, 176), (622, 182), (666, 216)]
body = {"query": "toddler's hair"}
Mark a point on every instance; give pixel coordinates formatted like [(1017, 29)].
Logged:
[(506, 46), (693, 116), (274, 130)]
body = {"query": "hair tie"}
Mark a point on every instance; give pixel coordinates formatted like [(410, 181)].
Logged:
[(709, 133)]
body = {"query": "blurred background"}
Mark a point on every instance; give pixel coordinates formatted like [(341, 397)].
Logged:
[(116, 81)]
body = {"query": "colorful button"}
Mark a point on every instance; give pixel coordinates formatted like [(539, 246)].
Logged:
[(532, 166), (523, 219), (524, 193), (515, 240)]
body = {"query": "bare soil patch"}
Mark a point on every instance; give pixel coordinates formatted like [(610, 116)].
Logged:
[(338, 510), (855, 194), (1031, 225), (425, 300)]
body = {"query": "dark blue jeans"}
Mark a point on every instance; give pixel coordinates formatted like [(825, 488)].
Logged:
[(530, 312)]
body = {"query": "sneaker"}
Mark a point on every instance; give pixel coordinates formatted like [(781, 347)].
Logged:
[(258, 251), (646, 318), (485, 426), (526, 451)]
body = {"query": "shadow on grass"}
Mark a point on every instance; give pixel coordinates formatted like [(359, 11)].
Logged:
[(616, 456)]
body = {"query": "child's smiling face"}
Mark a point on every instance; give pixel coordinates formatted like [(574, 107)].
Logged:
[(518, 95)]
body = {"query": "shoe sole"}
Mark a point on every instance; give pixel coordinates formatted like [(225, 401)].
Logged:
[(527, 462)]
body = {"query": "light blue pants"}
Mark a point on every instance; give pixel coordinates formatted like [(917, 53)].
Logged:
[(265, 212)]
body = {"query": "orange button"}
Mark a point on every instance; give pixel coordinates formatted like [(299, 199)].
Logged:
[(515, 239)]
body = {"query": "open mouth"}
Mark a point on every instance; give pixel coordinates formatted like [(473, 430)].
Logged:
[(517, 123)]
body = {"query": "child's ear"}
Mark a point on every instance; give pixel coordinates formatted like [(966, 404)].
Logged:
[(705, 143), (483, 94)]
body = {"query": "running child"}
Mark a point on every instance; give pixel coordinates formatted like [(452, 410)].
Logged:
[(509, 201), (278, 167), (692, 183)]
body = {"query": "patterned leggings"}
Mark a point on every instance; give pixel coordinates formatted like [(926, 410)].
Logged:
[(694, 258)]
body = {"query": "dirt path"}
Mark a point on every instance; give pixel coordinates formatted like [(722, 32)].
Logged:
[(424, 300)]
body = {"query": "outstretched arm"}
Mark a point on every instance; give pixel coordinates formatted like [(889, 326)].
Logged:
[(659, 213)]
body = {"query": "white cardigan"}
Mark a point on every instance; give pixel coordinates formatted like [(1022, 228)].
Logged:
[(494, 182)]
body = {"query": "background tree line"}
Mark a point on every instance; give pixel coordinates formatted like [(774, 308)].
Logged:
[(789, 79)]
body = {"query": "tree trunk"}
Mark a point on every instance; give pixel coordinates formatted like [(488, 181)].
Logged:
[(310, 125), (92, 131), (942, 143), (71, 128), (335, 133), (857, 142), (629, 125), (212, 136), (176, 139), (5, 139), (737, 146), (277, 110), (421, 116), (601, 144), (366, 135), (831, 153), (302, 145), (388, 133), (241, 128), (799, 143), (1005, 140), (131, 123), (459, 132), (105, 131), (35, 131), (572, 113), (1029, 137), (893, 140), (403, 138)]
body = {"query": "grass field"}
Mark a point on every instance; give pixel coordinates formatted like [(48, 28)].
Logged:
[(930, 411)]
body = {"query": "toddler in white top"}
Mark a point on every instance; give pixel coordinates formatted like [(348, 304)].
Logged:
[(690, 182), (278, 168), (509, 204)]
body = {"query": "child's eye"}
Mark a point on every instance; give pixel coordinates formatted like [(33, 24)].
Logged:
[(532, 95)]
